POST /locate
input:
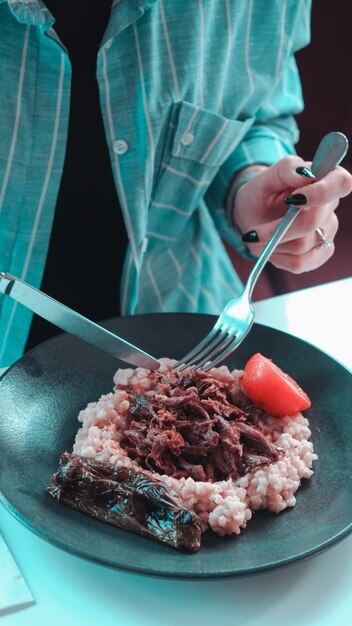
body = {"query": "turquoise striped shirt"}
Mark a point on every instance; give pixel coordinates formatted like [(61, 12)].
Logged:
[(191, 92)]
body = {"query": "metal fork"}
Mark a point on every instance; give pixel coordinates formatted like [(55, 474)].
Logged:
[(237, 318)]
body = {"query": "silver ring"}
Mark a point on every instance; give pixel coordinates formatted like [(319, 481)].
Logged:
[(324, 241)]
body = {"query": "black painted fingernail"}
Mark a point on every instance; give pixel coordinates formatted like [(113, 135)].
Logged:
[(297, 199), (250, 237), (305, 171)]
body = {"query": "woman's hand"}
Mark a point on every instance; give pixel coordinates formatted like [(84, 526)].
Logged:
[(260, 203)]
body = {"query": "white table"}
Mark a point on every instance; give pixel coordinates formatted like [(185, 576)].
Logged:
[(316, 592)]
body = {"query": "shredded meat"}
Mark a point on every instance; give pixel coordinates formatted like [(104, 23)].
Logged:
[(189, 426)]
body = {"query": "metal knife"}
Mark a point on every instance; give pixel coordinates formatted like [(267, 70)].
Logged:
[(74, 323)]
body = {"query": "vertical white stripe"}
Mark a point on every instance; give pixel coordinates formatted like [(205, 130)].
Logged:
[(49, 168), (207, 250), (43, 193), (201, 53), (169, 50), (214, 142), (181, 287), (188, 295), (213, 304), (125, 291), (247, 49), (144, 96), (17, 117), (176, 264), (228, 48), (154, 284), (196, 256), (122, 196), (231, 289), (282, 39)]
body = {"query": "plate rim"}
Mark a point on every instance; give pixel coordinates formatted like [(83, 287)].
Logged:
[(178, 574), (176, 314)]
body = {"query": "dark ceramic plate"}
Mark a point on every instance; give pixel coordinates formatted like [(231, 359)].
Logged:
[(41, 395)]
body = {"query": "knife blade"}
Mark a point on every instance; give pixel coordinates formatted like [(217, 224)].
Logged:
[(74, 323)]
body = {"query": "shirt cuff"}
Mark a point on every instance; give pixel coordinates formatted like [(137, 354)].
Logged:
[(264, 147)]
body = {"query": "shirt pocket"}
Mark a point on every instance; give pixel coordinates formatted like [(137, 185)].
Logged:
[(198, 142)]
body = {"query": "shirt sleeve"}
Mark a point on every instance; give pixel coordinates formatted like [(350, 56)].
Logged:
[(274, 132)]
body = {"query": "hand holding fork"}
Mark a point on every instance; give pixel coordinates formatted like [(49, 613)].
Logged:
[(237, 318)]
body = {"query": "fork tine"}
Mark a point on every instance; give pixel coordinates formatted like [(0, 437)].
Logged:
[(200, 351), (188, 359), (203, 355), (216, 349), (223, 355)]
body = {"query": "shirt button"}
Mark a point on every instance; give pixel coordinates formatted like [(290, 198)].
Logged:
[(187, 139), (120, 146)]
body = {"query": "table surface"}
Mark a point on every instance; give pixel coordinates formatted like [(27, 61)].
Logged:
[(316, 592)]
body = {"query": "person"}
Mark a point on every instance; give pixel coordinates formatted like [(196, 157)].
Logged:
[(136, 135)]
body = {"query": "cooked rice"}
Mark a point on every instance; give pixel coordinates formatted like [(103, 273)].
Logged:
[(223, 506)]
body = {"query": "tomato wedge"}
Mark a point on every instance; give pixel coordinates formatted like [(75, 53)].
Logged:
[(272, 389)]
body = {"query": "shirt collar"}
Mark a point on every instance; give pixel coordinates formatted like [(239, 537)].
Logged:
[(30, 12), (35, 12), (124, 13)]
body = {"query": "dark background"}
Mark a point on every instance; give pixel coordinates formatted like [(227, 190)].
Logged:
[(326, 81)]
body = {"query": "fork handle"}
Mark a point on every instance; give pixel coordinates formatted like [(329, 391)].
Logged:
[(330, 153)]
